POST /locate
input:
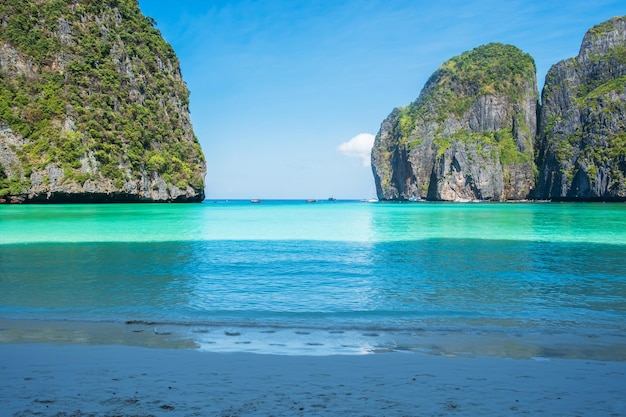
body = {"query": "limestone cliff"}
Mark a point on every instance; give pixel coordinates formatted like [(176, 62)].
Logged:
[(582, 131), (471, 132), (469, 135), (93, 107)]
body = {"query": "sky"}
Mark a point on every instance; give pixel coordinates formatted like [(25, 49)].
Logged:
[(286, 97)]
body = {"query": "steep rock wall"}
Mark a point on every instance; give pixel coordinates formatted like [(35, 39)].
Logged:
[(93, 107), (582, 131), (468, 136)]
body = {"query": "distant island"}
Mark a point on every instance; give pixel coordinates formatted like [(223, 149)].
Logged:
[(477, 131), (93, 107)]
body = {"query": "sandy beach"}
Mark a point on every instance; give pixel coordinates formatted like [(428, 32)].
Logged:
[(78, 380)]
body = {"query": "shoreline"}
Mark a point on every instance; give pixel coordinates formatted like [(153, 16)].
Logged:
[(304, 341), (107, 380)]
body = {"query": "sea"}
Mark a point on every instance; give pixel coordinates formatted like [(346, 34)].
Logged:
[(514, 280)]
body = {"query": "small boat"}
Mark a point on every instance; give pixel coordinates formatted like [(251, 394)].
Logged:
[(372, 199), (255, 201), (311, 200), (332, 199)]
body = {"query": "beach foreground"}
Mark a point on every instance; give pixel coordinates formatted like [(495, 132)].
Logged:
[(78, 380)]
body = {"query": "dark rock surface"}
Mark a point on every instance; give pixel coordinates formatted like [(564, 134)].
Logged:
[(582, 130)]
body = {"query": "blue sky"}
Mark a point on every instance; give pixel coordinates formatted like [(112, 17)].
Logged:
[(278, 86)]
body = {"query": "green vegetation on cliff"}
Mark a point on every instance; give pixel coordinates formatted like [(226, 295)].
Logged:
[(583, 145), (100, 96), (493, 69), (489, 70), (470, 133), (474, 131)]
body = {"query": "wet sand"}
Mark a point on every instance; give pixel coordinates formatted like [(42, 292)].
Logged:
[(79, 380)]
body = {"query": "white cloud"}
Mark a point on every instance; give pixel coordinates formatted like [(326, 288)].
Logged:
[(359, 146)]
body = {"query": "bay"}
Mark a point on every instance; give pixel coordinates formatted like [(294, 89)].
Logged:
[(289, 277)]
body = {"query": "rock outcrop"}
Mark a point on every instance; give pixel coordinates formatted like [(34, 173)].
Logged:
[(93, 107), (469, 135), (472, 132), (582, 130)]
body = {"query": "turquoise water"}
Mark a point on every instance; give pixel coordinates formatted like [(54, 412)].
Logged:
[(517, 280)]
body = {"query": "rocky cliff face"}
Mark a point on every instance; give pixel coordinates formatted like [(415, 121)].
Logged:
[(582, 131), (93, 107), (469, 135)]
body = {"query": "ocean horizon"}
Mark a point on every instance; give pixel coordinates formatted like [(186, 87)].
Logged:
[(289, 277)]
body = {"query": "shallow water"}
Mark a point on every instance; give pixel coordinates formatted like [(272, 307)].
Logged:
[(515, 280)]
